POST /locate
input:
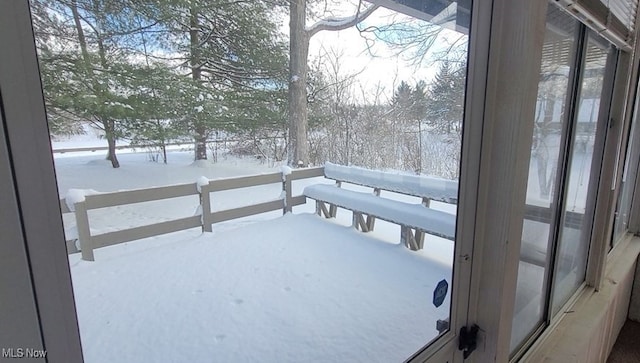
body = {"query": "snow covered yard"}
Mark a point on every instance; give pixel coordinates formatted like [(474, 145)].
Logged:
[(297, 288), (267, 288)]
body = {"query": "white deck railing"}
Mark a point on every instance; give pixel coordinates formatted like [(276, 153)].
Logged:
[(89, 242)]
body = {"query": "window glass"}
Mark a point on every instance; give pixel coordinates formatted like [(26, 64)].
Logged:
[(541, 203), (581, 178), (566, 152), (152, 105)]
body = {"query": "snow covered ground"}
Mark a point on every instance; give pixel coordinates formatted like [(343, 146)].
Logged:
[(261, 288), (297, 288)]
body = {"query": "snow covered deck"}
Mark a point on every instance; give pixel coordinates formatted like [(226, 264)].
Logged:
[(297, 288)]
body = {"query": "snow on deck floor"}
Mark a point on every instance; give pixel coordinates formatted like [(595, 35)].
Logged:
[(297, 288)]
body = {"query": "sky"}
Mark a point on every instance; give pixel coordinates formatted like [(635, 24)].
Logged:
[(379, 64)]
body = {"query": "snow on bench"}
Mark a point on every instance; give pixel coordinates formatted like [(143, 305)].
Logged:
[(415, 216), (414, 219), (433, 188)]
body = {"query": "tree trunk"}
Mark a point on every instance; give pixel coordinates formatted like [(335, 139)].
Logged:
[(542, 152), (201, 146), (111, 143), (108, 125), (81, 39), (419, 171), (111, 155), (196, 74), (298, 149), (163, 147), (346, 143), (215, 148)]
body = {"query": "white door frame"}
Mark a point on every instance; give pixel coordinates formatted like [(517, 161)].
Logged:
[(513, 72), (36, 196)]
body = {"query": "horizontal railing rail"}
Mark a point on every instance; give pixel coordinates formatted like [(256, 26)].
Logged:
[(218, 185), (88, 242), (112, 199), (307, 173)]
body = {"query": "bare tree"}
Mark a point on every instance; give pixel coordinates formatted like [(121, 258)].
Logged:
[(300, 34), (340, 92)]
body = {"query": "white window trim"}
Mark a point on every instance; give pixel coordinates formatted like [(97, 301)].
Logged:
[(517, 30)]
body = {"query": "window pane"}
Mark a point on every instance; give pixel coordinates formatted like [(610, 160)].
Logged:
[(541, 208), (581, 185), (181, 94)]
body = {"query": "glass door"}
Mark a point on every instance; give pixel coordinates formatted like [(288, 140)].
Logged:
[(172, 78)]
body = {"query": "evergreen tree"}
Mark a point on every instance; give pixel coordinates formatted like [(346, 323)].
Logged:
[(409, 109), (402, 102), (87, 73), (446, 98), (161, 100), (155, 71), (230, 48)]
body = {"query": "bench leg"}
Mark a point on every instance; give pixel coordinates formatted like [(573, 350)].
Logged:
[(407, 238), (363, 225), (358, 222), (333, 211), (419, 237), (371, 221), (321, 209)]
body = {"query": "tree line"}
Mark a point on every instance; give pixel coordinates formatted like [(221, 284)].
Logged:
[(419, 129), (160, 71)]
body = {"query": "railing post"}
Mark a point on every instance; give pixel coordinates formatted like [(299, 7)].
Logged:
[(205, 205), (84, 233), (286, 188)]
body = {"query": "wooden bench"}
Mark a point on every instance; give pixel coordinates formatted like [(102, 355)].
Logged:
[(415, 219)]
